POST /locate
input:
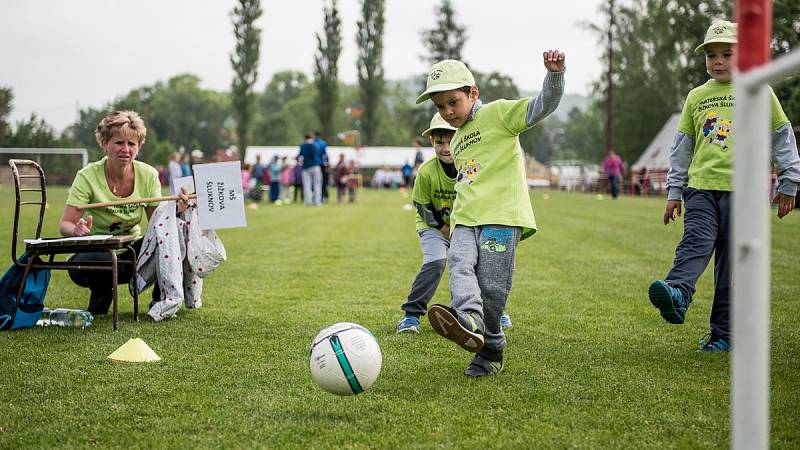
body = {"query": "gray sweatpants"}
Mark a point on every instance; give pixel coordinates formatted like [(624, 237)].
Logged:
[(481, 261), (434, 257)]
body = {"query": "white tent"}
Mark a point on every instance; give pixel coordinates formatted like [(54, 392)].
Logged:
[(365, 157), (656, 155)]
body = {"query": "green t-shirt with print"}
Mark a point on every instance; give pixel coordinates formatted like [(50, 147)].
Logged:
[(90, 186), (708, 117), (433, 186), (492, 186)]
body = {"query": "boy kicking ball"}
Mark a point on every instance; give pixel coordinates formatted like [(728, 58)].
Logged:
[(492, 211), (433, 196)]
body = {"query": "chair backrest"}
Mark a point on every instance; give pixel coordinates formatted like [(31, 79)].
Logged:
[(28, 177)]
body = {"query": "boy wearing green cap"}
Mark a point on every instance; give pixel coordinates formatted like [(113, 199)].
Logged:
[(432, 196), (492, 211), (701, 159)]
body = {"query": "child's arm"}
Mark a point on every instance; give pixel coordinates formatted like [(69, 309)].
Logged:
[(787, 166), (680, 156), (552, 88)]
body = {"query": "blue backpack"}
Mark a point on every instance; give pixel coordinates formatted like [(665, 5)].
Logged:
[(32, 301)]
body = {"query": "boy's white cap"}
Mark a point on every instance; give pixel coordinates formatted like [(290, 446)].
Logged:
[(722, 31), (437, 123), (445, 76)]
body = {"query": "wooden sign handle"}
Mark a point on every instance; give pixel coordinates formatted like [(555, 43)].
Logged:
[(133, 200)]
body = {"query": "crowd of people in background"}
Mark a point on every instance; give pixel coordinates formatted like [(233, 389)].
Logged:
[(304, 179)]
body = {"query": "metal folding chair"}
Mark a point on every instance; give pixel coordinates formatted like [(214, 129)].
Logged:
[(29, 177)]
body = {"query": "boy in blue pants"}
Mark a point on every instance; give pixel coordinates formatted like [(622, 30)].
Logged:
[(433, 196), (701, 172), (492, 211)]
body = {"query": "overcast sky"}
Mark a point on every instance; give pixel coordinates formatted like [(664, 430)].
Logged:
[(59, 55)]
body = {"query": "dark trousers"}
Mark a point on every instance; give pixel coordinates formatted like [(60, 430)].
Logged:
[(613, 180), (274, 191), (298, 192), (706, 230), (99, 282)]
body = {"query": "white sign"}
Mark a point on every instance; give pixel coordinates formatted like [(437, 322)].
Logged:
[(220, 197), (178, 183)]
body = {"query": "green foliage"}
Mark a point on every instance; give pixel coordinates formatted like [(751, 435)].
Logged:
[(654, 64), (6, 105), (494, 86), (177, 113), (369, 39), (446, 39), (244, 61), (589, 363), (785, 38), (785, 26), (326, 69)]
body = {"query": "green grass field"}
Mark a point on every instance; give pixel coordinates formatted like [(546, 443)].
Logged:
[(589, 364)]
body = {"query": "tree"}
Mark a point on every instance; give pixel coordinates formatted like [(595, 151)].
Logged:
[(369, 39), (326, 69), (654, 64), (245, 65), (177, 113), (6, 105), (446, 39), (785, 38), (495, 85)]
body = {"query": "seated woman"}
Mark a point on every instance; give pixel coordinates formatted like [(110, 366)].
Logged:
[(117, 176)]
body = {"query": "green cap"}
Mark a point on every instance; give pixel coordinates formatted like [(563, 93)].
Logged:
[(722, 31), (437, 123), (445, 76)]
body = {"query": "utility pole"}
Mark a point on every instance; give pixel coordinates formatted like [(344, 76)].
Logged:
[(609, 114)]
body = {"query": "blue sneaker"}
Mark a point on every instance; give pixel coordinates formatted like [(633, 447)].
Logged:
[(505, 321), (669, 300), (711, 344), (409, 324), (463, 329)]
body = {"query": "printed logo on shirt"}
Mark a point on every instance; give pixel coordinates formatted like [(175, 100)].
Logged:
[(116, 225), (468, 171), (717, 130)]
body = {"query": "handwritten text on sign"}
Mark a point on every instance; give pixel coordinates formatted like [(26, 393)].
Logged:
[(220, 197)]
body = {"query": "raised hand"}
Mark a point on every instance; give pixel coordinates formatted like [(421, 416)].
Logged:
[(554, 60)]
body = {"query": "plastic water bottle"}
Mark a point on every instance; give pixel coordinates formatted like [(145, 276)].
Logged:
[(63, 317)]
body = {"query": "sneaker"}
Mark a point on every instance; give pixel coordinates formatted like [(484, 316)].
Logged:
[(669, 300), (505, 321), (712, 344), (463, 329), (484, 364), (409, 324)]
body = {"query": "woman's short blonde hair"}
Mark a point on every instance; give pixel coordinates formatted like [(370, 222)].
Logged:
[(126, 122)]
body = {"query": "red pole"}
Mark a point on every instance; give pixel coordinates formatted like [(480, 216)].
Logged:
[(754, 23)]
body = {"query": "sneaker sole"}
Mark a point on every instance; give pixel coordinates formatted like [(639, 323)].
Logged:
[(660, 298), (446, 325), (409, 330)]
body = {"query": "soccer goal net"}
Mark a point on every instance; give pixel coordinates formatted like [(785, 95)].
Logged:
[(59, 164)]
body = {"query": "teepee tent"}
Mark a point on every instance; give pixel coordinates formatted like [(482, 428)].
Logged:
[(656, 155)]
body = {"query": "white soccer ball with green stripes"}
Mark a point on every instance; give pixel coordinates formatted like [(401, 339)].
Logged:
[(345, 359)]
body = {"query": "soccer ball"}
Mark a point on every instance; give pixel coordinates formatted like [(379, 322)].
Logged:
[(345, 359)]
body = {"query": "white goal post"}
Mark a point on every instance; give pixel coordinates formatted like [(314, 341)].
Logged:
[(49, 151), (750, 296)]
